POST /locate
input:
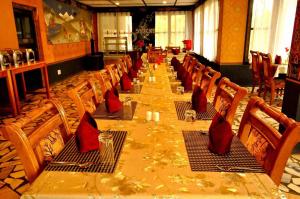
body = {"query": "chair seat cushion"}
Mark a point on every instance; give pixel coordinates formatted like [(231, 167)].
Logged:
[(279, 83)]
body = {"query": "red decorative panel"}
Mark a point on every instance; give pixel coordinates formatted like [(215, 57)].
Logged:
[(294, 59)]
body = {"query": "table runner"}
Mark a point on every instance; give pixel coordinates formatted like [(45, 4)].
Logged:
[(71, 154), (201, 159), (182, 106), (101, 113)]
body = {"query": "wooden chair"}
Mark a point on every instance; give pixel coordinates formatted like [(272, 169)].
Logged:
[(44, 141), (113, 73), (270, 148), (127, 61), (275, 86), (227, 98), (85, 97), (257, 71), (208, 79), (103, 81)]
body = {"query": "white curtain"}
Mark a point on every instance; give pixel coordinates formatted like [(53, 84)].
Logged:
[(272, 26), (284, 25), (198, 30), (171, 28), (210, 29), (114, 25)]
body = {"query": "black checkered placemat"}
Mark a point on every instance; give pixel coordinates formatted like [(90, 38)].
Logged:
[(182, 106), (101, 113), (201, 159), (70, 153)]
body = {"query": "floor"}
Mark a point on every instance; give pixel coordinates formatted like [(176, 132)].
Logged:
[(12, 177)]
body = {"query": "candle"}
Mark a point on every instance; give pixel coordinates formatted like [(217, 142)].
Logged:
[(148, 115), (153, 79), (156, 116)]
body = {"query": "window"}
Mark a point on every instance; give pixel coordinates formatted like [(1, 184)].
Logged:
[(272, 26), (114, 25), (206, 24), (171, 28)]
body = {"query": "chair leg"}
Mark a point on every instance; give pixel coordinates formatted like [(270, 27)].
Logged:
[(272, 96), (259, 89), (253, 86), (265, 92)]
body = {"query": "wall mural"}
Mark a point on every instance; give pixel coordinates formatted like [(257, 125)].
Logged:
[(294, 59), (143, 28), (66, 23)]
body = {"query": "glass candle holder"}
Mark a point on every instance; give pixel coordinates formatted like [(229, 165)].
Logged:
[(190, 115), (106, 148), (180, 90)]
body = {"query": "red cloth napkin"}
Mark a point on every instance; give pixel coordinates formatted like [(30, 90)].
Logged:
[(278, 59), (87, 134), (112, 102), (175, 51), (175, 63), (220, 135), (125, 82), (199, 100), (138, 64), (188, 82), (132, 73)]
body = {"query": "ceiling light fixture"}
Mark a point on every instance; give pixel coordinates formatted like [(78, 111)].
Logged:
[(164, 2), (117, 3)]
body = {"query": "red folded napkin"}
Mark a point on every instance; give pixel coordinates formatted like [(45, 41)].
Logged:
[(199, 100), (125, 82), (112, 102), (86, 135), (138, 64), (188, 82), (278, 59), (175, 51), (175, 63), (159, 59), (132, 73), (220, 135)]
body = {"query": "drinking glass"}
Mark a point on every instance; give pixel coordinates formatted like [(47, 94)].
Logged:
[(190, 115), (127, 108), (106, 147), (180, 90)]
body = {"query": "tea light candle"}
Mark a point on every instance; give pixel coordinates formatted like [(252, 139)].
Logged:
[(148, 115), (155, 66), (156, 116), (153, 79)]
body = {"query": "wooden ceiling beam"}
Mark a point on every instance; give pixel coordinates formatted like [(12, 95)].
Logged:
[(144, 3)]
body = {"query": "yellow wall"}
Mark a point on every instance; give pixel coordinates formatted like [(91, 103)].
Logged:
[(232, 31), (50, 53)]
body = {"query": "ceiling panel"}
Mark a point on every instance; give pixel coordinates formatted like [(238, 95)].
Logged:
[(134, 3)]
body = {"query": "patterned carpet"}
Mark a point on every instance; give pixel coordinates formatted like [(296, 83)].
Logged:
[(12, 177)]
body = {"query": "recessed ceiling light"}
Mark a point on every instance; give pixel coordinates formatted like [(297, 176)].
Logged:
[(164, 2), (117, 3)]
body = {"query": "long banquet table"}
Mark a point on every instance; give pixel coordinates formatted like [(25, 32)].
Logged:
[(153, 162)]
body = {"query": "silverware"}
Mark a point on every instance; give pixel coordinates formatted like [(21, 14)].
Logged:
[(238, 168), (83, 165)]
